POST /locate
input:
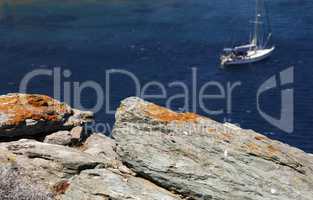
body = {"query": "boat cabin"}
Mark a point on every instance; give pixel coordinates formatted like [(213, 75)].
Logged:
[(240, 50)]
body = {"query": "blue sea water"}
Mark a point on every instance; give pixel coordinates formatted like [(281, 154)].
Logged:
[(161, 41)]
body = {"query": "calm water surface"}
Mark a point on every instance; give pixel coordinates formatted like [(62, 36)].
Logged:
[(161, 41)]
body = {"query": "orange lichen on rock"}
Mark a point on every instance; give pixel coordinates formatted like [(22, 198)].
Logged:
[(19, 108), (254, 148), (260, 138), (272, 150), (265, 151), (166, 115), (211, 130), (61, 187), (226, 137)]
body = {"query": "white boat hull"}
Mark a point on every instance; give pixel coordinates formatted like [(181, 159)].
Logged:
[(252, 57)]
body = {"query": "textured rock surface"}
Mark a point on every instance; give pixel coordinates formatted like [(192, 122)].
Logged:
[(101, 146), (103, 184), (202, 159), (157, 155), (92, 171), (13, 186), (48, 162), (73, 137), (77, 134), (60, 138), (105, 148), (22, 115)]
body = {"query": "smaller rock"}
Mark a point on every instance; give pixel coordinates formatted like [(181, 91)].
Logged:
[(30, 122), (103, 147), (49, 161), (60, 138), (77, 134), (79, 118), (125, 170), (66, 138), (32, 115)]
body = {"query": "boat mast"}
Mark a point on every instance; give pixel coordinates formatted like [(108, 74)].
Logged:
[(269, 35), (256, 24)]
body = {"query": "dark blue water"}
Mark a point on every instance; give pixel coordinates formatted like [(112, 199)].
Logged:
[(161, 41)]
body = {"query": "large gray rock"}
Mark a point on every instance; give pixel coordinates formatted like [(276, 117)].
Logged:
[(91, 171), (202, 159), (103, 184)]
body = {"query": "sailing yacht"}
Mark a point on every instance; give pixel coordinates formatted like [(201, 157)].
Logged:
[(257, 49)]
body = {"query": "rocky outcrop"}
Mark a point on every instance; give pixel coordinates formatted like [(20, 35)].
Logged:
[(202, 159), (48, 162), (24, 115), (92, 171), (105, 184), (156, 154)]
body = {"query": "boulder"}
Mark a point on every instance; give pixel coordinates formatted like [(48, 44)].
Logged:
[(73, 137), (201, 159), (104, 147), (103, 184), (101, 146), (60, 138), (92, 171), (77, 134), (45, 163), (23, 115), (79, 118)]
